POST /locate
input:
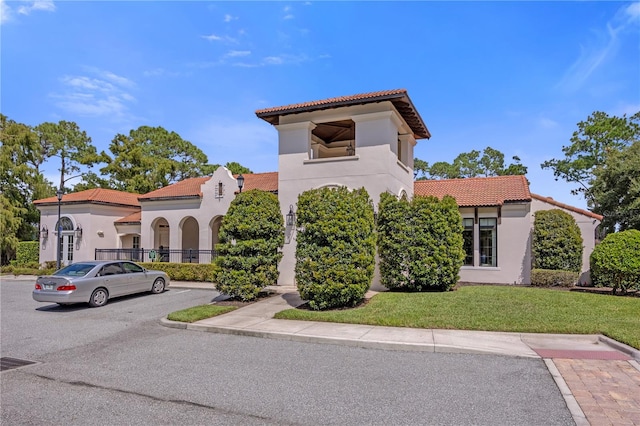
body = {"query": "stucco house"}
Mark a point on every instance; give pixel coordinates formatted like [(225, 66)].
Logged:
[(364, 140)]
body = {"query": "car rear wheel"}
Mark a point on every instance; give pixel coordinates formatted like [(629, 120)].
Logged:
[(98, 298), (158, 286)]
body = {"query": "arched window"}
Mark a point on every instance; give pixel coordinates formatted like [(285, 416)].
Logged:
[(66, 223)]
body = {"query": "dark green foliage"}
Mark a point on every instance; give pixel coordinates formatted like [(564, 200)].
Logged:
[(615, 262), (419, 243), (199, 272), (335, 252), (251, 237), (27, 252), (550, 278), (557, 242)]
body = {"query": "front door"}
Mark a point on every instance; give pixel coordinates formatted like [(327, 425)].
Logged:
[(66, 248)]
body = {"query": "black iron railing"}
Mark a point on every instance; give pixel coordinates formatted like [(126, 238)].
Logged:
[(157, 255)]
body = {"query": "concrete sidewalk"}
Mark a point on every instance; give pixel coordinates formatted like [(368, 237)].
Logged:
[(598, 377)]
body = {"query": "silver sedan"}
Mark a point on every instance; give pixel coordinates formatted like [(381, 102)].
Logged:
[(96, 282)]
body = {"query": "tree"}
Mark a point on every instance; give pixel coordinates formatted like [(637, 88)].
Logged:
[(335, 251), (71, 145), (472, 164), (596, 138), (615, 262), (251, 239), (20, 184), (237, 168), (419, 243), (557, 241), (420, 167), (616, 189), (150, 158)]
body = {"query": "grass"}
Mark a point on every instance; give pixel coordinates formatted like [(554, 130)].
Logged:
[(495, 308), (198, 313)]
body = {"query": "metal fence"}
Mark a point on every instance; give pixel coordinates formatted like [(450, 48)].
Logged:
[(157, 255)]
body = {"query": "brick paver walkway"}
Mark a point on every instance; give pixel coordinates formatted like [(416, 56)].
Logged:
[(607, 391)]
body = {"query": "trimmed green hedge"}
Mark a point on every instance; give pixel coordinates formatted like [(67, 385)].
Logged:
[(419, 243), (251, 237), (551, 278), (557, 241), (27, 252), (615, 262), (202, 272), (335, 251)]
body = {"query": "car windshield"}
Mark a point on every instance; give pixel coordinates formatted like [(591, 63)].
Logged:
[(75, 270)]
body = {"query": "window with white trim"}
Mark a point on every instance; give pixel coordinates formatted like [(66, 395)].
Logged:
[(488, 242)]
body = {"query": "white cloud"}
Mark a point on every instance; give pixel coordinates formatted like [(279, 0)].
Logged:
[(24, 8), (214, 37), (46, 5), (229, 18), (238, 53), (598, 53), (102, 93)]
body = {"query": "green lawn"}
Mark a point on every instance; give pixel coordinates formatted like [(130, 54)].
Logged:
[(495, 308), (198, 313)]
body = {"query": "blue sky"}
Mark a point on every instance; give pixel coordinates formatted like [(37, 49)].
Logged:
[(516, 76)]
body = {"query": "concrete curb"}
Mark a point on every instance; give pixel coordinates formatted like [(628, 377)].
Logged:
[(574, 408), (173, 324), (632, 352)]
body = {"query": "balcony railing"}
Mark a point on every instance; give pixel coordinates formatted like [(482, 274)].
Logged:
[(157, 255)]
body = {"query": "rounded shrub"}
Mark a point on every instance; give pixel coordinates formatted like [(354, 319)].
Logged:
[(420, 243), (335, 251), (615, 262), (251, 239), (557, 241)]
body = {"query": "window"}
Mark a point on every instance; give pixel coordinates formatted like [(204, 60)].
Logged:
[(136, 241), (131, 268), (467, 237), (489, 242)]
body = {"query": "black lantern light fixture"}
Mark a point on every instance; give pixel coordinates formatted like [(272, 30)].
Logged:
[(44, 232), (240, 180), (291, 217), (78, 232), (59, 234)]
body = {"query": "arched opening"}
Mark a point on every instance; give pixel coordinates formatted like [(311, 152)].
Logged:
[(66, 234), (190, 240), (215, 230), (161, 241)]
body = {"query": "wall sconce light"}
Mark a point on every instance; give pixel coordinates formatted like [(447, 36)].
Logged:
[(78, 232), (100, 234), (44, 233), (291, 217), (240, 180)]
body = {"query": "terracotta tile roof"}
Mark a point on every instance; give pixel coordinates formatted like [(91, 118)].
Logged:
[(132, 218), (95, 196), (265, 181), (567, 206), (478, 191), (188, 188), (399, 98)]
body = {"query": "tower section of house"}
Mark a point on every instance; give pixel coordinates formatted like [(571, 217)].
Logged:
[(357, 141)]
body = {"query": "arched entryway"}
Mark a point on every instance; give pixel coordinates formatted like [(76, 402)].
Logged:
[(161, 241), (66, 233), (190, 240), (216, 222)]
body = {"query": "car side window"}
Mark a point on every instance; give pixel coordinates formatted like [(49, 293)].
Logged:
[(131, 267), (112, 269)]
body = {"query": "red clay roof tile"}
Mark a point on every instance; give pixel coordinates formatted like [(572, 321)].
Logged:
[(184, 189), (132, 218), (567, 206), (398, 97), (96, 195), (477, 191)]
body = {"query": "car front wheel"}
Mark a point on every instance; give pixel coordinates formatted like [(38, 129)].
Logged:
[(98, 298), (158, 286)]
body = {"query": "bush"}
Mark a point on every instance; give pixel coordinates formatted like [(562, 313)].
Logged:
[(335, 252), (27, 252), (420, 243), (203, 272), (251, 237), (615, 262), (551, 278), (557, 241)]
